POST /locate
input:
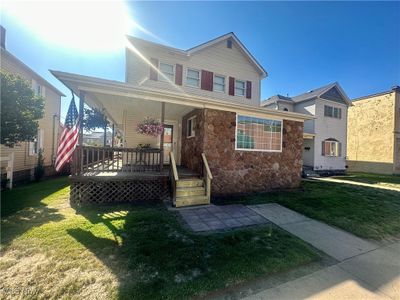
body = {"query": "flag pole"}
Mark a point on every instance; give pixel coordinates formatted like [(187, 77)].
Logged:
[(80, 140)]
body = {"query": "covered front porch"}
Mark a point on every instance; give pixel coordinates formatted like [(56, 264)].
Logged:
[(136, 167)]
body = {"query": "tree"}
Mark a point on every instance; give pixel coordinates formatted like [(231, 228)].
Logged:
[(95, 118), (20, 110)]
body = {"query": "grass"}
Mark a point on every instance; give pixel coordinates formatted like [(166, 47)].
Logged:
[(365, 211), (123, 251), (376, 179)]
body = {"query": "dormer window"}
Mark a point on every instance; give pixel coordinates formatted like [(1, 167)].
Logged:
[(168, 71), (240, 88)]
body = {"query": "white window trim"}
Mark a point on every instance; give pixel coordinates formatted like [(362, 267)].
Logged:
[(336, 148), (244, 90), (333, 112), (161, 76), (192, 132), (32, 151), (257, 150), (219, 75), (192, 86)]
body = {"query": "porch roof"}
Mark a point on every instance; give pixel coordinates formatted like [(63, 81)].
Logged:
[(99, 91)]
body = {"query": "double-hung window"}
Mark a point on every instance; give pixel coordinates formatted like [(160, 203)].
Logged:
[(168, 72), (193, 78), (36, 143), (240, 88), (258, 134), (333, 112), (331, 147), (219, 83)]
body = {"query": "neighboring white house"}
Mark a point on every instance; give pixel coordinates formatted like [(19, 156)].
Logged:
[(325, 137)]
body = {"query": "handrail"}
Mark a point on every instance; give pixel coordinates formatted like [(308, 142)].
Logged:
[(206, 165), (208, 177), (173, 165)]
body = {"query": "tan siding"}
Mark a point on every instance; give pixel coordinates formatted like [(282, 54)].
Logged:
[(370, 132), (217, 59), (23, 160)]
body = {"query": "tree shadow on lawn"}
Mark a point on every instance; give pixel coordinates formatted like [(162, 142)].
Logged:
[(154, 257), (30, 195), (22, 208)]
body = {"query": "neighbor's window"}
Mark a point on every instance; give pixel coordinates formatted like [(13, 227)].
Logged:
[(240, 88), (333, 112), (257, 134), (168, 71), (36, 143), (219, 83), (193, 78), (331, 147), (191, 124)]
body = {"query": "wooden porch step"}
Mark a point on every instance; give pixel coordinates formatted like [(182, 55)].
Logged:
[(190, 191), (191, 200), (189, 182)]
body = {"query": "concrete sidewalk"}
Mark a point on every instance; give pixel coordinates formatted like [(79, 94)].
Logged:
[(364, 271), (335, 242), (373, 275)]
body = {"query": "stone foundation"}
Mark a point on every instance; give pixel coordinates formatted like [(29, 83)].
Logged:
[(241, 172)]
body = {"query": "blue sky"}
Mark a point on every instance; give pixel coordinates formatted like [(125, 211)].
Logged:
[(302, 45)]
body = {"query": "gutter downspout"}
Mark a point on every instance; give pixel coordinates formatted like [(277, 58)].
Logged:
[(53, 158)]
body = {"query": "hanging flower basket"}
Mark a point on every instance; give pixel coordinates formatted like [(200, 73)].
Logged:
[(150, 126)]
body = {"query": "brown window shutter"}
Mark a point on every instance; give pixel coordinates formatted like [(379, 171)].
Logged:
[(323, 148), (340, 149), (232, 86), (153, 71), (248, 89), (206, 80), (178, 74)]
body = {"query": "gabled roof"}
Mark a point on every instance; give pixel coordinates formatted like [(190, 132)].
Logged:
[(32, 72), (310, 95), (212, 42), (319, 92), (275, 99)]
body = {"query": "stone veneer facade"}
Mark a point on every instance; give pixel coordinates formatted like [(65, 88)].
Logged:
[(241, 172)]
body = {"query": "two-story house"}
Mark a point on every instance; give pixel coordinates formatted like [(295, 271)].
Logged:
[(208, 99), (25, 153), (325, 137)]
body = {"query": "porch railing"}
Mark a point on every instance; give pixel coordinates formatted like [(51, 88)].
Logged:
[(88, 159)]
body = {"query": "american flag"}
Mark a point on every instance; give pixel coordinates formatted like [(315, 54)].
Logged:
[(69, 137)]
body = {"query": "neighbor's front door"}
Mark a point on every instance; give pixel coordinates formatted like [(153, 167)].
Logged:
[(168, 142)]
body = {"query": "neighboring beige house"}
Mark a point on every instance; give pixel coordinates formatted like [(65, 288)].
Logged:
[(373, 139), (324, 149), (208, 97), (25, 154)]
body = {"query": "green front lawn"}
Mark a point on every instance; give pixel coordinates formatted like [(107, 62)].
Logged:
[(365, 211), (376, 179), (125, 251)]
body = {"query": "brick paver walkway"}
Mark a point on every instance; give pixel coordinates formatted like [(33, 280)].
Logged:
[(221, 217)]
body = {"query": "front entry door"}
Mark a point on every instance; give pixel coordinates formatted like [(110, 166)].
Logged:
[(168, 142)]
